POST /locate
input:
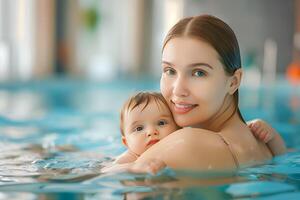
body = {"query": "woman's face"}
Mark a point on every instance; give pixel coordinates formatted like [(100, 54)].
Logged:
[(193, 81)]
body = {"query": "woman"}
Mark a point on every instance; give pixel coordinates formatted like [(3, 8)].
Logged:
[(201, 74)]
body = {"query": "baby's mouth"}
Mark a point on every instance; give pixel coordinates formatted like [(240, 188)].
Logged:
[(151, 142)]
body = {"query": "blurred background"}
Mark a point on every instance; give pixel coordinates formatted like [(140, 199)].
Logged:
[(104, 40), (67, 66)]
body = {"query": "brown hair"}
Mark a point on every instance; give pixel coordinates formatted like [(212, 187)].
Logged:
[(138, 99), (216, 33)]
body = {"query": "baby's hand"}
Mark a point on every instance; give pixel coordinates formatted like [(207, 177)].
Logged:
[(151, 166), (261, 130)]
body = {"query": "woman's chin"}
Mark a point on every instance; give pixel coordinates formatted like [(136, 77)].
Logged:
[(188, 122), (183, 122)]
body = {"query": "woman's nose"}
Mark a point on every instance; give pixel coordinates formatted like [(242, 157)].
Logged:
[(179, 87)]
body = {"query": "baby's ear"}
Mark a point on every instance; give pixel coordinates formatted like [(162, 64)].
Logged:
[(124, 141), (235, 81)]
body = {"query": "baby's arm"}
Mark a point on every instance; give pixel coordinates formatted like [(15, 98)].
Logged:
[(267, 134), (151, 166), (126, 157)]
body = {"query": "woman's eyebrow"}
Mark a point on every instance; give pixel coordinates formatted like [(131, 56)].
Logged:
[(168, 63), (190, 65), (200, 64)]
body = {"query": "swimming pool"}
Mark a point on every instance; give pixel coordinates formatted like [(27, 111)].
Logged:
[(56, 134)]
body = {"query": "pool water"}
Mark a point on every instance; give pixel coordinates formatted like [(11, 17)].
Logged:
[(55, 135)]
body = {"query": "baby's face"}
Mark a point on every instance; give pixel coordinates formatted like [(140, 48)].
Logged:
[(145, 127)]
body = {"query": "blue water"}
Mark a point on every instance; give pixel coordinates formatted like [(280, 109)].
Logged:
[(55, 135)]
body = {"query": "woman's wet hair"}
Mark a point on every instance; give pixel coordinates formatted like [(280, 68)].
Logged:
[(219, 35)]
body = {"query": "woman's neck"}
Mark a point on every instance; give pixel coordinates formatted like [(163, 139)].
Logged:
[(226, 115)]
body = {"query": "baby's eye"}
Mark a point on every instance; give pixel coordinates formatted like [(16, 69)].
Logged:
[(162, 122), (198, 73), (169, 71), (139, 128)]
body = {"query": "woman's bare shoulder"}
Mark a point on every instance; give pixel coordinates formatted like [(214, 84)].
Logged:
[(189, 132), (191, 148)]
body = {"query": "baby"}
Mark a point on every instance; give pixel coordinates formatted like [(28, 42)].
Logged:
[(146, 119)]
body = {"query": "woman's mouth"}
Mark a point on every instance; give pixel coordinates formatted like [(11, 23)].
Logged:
[(182, 108)]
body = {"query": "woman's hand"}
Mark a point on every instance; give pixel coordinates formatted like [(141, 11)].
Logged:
[(262, 130)]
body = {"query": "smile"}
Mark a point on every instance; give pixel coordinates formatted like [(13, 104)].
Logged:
[(182, 108)]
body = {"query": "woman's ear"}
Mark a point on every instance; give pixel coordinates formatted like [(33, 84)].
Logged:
[(235, 81), (124, 141)]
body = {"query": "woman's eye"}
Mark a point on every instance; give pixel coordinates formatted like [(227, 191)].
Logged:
[(139, 128), (162, 122), (169, 71), (199, 73)]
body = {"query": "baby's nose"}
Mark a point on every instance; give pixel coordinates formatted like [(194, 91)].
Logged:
[(152, 131)]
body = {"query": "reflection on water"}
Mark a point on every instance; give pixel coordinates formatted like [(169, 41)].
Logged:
[(57, 135), (65, 172)]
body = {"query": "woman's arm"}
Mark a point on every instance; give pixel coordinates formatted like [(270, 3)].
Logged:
[(267, 134), (185, 149), (191, 149)]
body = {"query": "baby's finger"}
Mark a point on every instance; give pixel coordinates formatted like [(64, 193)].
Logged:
[(267, 138), (256, 126), (139, 168), (263, 134), (157, 165), (257, 131), (253, 127), (152, 169), (154, 166), (250, 125)]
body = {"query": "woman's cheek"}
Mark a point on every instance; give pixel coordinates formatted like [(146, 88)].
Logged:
[(164, 87), (207, 91), (216, 99)]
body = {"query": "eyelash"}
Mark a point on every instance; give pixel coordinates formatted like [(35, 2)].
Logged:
[(142, 127), (136, 128), (169, 70), (164, 121), (198, 70)]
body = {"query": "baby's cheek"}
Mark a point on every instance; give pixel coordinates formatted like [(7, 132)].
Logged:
[(175, 128), (137, 146)]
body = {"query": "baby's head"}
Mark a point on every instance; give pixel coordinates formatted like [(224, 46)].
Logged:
[(145, 120)]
